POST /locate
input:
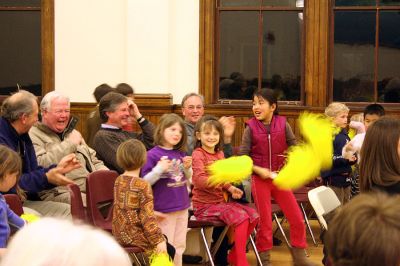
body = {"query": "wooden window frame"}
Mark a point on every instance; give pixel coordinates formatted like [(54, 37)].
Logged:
[(47, 43), (376, 8), (316, 25)]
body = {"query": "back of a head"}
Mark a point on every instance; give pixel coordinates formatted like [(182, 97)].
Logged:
[(18, 104), (366, 231), (124, 89), (380, 164), (60, 242), (374, 109), (101, 90)]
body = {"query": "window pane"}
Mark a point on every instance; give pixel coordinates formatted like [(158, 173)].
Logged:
[(20, 51), (247, 3), (281, 59), (238, 62), (354, 43), (389, 2), (355, 2), (292, 3), (389, 57), (20, 3)]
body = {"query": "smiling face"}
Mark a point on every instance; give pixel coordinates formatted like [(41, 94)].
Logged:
[(209, 137), (193, 109), (172, 135), (120, 116), (263, 110), (341, 119), (57, 116)]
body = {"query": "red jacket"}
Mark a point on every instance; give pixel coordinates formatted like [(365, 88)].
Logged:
[(267, 148)]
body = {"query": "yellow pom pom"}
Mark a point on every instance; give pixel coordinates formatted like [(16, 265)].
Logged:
[(306, 160), (29, 217), (161, 259), (232, 170)]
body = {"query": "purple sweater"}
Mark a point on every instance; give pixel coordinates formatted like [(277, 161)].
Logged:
[(170, 191), (7, 218)]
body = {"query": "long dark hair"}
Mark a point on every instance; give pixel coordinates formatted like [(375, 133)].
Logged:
[(380, 162)]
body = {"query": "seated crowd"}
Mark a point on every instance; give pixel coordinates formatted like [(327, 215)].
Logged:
[(163, 165)]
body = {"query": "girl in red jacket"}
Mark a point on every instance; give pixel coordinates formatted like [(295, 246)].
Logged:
[(266, 139)]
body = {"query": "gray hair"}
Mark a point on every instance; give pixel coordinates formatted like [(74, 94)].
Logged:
[(49, 97), (187, 96), (18, 104), (110, 103)]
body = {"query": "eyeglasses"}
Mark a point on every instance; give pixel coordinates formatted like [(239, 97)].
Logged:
[(193, 107)]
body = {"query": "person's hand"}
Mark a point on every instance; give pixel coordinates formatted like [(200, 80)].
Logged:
[(263, 172), (57, 178), (187, 162), (235, 192), (161, 247), (68, 163), (75, 137), (229, 124), (164, 163), (134, 110)]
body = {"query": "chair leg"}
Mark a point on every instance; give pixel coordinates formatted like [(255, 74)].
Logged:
[(281, 229), (255, 249), (203, 236), (308, 225), (136, 260), (281, 222), (219, 241), (143, 259)]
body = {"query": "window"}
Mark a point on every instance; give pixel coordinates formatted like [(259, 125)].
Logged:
[(259, 44), (366, 51), (26, 46)]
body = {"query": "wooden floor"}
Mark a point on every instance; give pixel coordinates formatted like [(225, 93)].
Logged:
[(280, 255)]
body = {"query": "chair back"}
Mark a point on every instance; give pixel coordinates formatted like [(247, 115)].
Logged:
[(78, 212), (100, 190), (324, 200), (15, 203)]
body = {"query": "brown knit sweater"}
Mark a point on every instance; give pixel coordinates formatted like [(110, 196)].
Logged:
[(107, 140), (134, 222)]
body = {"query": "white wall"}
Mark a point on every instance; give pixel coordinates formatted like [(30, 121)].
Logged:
[(152, 45)]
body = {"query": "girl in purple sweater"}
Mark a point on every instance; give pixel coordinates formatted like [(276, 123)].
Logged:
[(169, 170)]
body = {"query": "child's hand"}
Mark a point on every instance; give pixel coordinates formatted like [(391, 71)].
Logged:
[(264, 173), (229, 124), (164, 163), (187, 162), (161, 247), (236, 193)]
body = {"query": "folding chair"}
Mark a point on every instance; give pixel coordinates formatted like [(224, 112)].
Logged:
[(323, 200), (203, 224), (302, 198)]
